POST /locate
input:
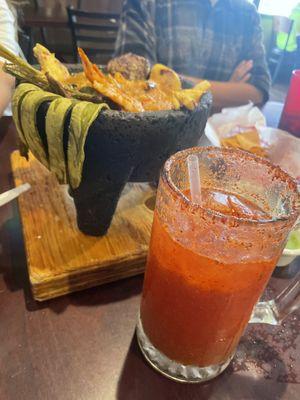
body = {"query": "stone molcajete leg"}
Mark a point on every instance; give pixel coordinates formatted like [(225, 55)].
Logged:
[(96, 200)]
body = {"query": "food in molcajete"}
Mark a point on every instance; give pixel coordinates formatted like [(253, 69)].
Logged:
[(132, 92)]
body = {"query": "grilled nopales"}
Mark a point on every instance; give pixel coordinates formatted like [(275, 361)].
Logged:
[(26, 102)]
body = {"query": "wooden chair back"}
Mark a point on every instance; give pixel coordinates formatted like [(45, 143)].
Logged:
[(95, 32)]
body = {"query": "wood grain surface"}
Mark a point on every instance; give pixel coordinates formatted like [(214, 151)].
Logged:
[(60, 258)]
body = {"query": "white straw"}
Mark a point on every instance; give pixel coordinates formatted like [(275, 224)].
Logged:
[(194, 177), (8, 196)]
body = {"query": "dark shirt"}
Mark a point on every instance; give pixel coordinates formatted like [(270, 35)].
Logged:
[(196, 39)]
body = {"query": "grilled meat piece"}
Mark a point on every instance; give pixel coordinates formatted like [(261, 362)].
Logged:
[(131, 66)]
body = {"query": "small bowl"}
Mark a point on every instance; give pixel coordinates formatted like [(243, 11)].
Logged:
[(287, 257)]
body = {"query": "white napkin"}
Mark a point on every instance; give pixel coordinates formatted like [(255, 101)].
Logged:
[(222, 125)]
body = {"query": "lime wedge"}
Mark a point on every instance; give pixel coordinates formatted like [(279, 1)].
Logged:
[(293, 241)]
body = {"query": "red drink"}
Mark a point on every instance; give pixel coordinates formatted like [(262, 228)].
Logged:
[(213, 301), (290, 117), (208, 264)]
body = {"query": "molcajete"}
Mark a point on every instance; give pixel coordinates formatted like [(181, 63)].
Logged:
[(126, 147)]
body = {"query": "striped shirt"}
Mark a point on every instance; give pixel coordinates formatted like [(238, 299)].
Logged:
[(195, 38)]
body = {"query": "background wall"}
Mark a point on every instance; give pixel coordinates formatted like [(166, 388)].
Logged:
[(277, 7)]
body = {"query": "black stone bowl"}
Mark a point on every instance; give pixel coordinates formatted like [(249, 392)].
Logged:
[(126, 147)]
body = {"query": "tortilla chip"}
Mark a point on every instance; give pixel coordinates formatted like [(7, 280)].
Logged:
[(248, 141)]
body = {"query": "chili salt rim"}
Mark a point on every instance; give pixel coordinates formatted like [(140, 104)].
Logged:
[(182, 155)]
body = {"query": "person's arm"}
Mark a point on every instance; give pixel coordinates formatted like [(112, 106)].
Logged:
[(137, 29), (7, 39), (231, 94), (250, 81), (7, 84)]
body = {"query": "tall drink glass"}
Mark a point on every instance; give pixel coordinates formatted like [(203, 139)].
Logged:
[(290, 117), (209, 263)]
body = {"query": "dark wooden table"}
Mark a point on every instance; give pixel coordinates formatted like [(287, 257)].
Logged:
[(82, 346)]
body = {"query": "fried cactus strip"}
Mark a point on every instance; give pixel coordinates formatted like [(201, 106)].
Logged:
[(26, 76), (83, 115), (92, 97), (68, 91), (19, 94), (29, 108), (55, 122), (56, 86), (26, 69)]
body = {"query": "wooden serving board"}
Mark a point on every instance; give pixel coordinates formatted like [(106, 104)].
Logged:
[(60, 258)]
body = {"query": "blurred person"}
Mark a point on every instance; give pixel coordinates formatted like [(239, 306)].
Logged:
[(282, 37), (217, 40), (291, 44), (8, 38)]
